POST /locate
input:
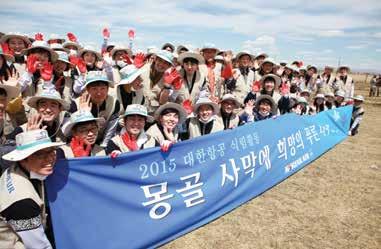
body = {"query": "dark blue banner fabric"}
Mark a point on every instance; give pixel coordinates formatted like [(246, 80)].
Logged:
[(147, 198)]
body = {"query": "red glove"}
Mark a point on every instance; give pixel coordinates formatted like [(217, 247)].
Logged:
[(285, 89), (78, 148), (6, 49), (300, 63), (227, 72), (39, 37), (165, 145), (71, 37), (106, 33), (129, 142), (31, 63), (256, 86), (79, 62), (172, 77), (46, 71), (127, 59), (187, 104), (139, 60)]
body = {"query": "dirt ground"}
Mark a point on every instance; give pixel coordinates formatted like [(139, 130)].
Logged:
[(335, 202)]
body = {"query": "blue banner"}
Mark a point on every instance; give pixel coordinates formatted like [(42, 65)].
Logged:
[(147, 198)]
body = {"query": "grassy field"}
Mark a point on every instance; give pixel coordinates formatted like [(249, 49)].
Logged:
[(335, 202)]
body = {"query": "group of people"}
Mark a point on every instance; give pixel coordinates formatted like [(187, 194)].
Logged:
[(59, 99)]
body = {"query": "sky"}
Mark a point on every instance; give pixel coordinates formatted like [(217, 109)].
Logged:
[(316, 32)]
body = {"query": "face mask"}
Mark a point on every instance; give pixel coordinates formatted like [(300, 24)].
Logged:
[(34, 175), (121, 64), (73, 52)]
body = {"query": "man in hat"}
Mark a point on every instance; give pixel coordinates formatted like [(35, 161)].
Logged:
[(22, 195), (82, 132), (357, 115), (227, 115), (50, 113), (344, 82), (100, 103), (132, 137)]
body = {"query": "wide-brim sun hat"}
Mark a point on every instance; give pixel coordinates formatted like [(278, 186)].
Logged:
[(242, 53), (119, 48), (78, 117), (63, 56), (5, 38), (205, 101), (30, 142), (267, 97), (191, 54), (231, 97), (261, 55), (359, 98), (276, 78), (268, 60), (168, 45), (42, 45), (340, 93), (210, 46), (93, 76), (56, 37), (58, 47), (136, 109), (302, 100), (312, 67), (49, 94), (329, 94), (320, 95), (70, 43), (170, 105), (344, 67), (128, 74), (90, 50), (165, 55), (12, 90), (181, 47)]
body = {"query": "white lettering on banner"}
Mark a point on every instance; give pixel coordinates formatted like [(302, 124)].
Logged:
[(193, 189), (200, 155), (290, 145), (324, 129), (311, 134), (155, 168), (248, 163), (158, 198), (243, 142)]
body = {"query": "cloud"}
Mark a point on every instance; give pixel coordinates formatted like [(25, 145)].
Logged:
[(378, 50), (356, 47), (266, 44), (331, 33)]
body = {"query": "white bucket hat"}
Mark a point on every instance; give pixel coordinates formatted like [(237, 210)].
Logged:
[(50, 94), (56, 37), (171, 105), (181, 47), (71, 43), (329, 94), (209, 46), (128, 74), (268, 60), (191, 54), (302, 100), (320, 95), (230, 96), (63, 56), (91, 50), (245, 52), (43, 45), (30, 142), (312, 67), (77, 117), (340, 93), (6, 37), (344, 66), (168, 45), (273, 76), (58, 47), (118, 48), (359, 98), (11, 88), (205, 101), (261, 55), (136, 109), (93, 76), (151, 50), (165, 55)]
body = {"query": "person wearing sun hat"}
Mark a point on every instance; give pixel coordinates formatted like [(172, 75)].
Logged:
[(264, 108), (327, 78), (55, 38), (169, 47), (129, 90), (329, 100), (166, 129), (118, 58), (339, 98), (301, 106), (258, 60), (357, 115), (62, 80), (204, 120), (22, 199), (161, 81), (318, 104), (344, 82), (91, 57), (97, 99), (194, 80), (181, 49), (82, 132), (48, 112), (72, 44), (39, 67), (228, 111), (132, 137)]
